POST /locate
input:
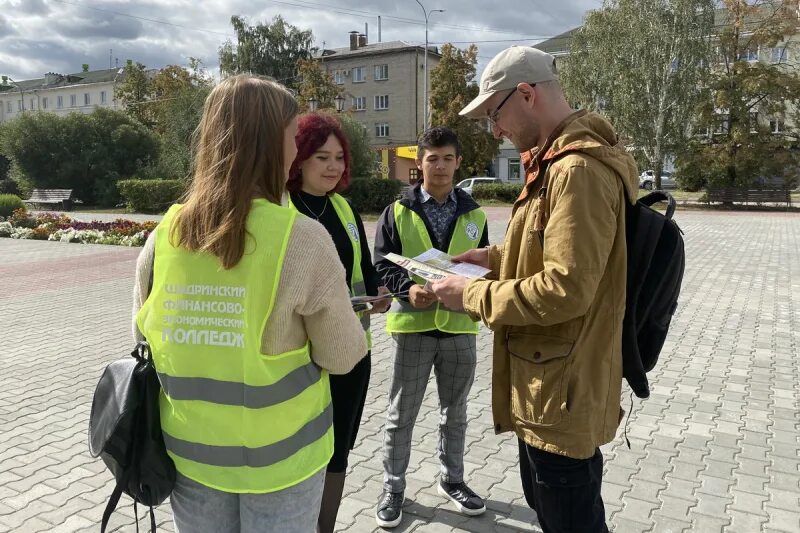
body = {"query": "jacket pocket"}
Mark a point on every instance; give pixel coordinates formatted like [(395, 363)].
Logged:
[(539, 366)]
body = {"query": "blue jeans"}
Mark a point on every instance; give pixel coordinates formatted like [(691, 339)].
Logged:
[(200, 509)]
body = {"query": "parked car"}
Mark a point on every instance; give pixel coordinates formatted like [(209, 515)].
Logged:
[(467, 184), (647, 180)]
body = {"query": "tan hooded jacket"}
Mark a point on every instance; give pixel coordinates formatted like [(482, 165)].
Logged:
[(557, 308)]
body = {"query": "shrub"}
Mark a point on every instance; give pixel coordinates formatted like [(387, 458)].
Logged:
[(9, 203), (150, 196), (9, 186), (501, 192), (372, 195)]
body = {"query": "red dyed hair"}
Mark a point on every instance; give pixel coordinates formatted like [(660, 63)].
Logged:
[(313, 131)]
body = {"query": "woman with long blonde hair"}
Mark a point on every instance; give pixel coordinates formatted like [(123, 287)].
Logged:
[(246, 311)]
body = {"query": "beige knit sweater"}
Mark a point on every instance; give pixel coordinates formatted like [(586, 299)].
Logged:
[(312, 303)]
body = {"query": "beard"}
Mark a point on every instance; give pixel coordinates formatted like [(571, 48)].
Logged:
[(528, 136)]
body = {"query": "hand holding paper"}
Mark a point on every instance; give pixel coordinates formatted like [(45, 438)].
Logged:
[(450, 291)]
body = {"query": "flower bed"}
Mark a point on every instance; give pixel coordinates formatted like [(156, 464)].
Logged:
[(52, 227)]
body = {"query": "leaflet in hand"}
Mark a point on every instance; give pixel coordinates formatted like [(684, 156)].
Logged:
[(435, 265)]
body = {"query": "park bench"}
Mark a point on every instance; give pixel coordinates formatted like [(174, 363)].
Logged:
[(62, 198), (756, 196)]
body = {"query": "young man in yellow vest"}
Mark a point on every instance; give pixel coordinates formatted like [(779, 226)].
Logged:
[(428, 336)]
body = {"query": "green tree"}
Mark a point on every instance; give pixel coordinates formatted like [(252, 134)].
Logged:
[(452, 88), (362, 156), (751, 92), (644, 64), (179, 119), (270, 49), (85, 152), (313, 82), (135, 92)]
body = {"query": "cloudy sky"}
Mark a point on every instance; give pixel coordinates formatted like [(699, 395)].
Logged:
[(38, 36)]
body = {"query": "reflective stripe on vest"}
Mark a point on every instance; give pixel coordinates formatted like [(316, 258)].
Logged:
[(402, 316), (233, 418), (357, 286), (240, 456)]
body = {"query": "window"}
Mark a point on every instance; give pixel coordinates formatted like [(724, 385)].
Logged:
[(338, 77), (33, 104), (721, 125), (8, 106), (19, 105), (780, 55), (382, 102), (102, 97), (86, 99), (381, 72), (777, 126), (73, 100), (44, 103), (382, 129), (359, 74), (750, 54), (359, 103), (753, 121), (513, 170), (59, 102)]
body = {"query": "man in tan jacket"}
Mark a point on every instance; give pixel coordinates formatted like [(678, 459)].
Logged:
[(556, 295)]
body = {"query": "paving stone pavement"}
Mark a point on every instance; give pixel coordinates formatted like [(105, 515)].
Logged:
[(714, 449)]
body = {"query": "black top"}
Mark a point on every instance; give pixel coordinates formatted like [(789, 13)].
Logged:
[(314, 207)]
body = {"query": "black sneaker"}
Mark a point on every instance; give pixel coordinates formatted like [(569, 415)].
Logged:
[(466, 501), (390, 509)]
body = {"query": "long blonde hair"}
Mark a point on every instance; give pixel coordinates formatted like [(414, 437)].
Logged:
[(239, 155)]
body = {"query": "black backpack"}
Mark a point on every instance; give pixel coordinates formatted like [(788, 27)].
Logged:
[(125, 431), (656, 262)]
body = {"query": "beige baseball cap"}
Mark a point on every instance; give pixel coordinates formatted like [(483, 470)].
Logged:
[(509, 68)]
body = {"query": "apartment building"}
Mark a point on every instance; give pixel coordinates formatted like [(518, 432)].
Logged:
[(59, 93), (384, 86)]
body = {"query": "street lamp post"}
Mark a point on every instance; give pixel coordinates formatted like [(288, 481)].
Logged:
[(312, 104), (425, 67), (339, 103)]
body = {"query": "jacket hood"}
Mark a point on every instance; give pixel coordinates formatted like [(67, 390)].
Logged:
[(593, 135)]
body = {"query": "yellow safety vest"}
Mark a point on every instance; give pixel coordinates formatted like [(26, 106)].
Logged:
[(402, 316), (233, 418), (357, 286)]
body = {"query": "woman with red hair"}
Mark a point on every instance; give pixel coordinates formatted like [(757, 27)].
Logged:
[(319, 173)]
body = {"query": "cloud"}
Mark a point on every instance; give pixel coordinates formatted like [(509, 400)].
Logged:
[(63, 35)]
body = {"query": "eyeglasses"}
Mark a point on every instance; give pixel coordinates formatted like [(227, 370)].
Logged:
[(494, 114)]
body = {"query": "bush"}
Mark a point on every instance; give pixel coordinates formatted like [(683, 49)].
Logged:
[(502, 192), (150, 196), (9, 203), (9, 186), (372, 195), (85, 152)]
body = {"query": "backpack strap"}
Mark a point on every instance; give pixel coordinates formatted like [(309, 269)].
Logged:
[(112, 504), (660, 196)]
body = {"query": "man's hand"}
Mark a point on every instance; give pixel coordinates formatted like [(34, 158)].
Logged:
[(381, 306), (420, 297), (476, 256), (450, 291)]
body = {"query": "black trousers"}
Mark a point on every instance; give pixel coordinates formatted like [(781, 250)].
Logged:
[(564, 492), (348, 395)]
